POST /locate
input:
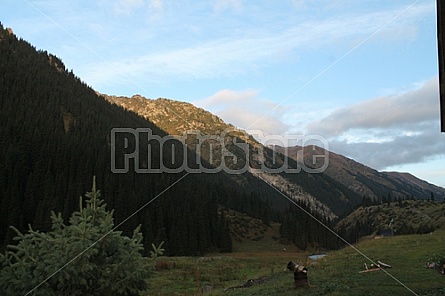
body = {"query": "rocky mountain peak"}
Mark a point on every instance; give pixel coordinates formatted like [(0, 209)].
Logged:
[(174, 117)]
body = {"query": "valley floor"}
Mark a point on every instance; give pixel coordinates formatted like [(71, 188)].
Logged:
[(335, 274)]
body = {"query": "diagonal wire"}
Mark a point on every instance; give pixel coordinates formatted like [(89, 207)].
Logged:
[(294, 93), (334, 63), (106, 234), (337, 235)]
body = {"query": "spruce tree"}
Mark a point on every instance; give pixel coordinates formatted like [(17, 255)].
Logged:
[(85, 257)]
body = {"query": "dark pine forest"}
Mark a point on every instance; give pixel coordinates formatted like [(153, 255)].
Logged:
[(55, 136)]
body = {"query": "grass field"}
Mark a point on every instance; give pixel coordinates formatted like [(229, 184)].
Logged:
[(335, 274)]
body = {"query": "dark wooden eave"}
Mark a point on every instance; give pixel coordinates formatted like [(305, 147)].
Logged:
[(441, 43)]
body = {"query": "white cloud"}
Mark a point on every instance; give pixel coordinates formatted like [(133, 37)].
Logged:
[(127, 6), (221, 5), (156, 9), (387, 131), (244, 109), (211, 60), (225, 57), (405, 110), (156, 4), (226, 97), (299, 4), (400, 150)]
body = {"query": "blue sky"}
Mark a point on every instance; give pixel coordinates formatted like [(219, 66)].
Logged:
[(362, 74)]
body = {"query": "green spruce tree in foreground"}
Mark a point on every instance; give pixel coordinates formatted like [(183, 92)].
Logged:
[(85, 257)]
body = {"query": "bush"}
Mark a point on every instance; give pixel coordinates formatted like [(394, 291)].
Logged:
[(85, 257)]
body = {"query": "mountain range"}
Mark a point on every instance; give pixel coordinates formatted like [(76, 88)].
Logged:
[(178, 117), (56, 133), (319, 191), (364, 180)]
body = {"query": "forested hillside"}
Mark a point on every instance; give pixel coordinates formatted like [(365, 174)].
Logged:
[(55, 135), (393, 218)]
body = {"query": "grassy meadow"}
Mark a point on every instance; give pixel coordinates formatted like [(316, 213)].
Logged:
[(335, 274)]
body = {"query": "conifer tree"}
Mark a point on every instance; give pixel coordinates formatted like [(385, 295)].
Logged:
[(85, 257)]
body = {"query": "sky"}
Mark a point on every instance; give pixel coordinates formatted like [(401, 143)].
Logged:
[(361, 74)]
